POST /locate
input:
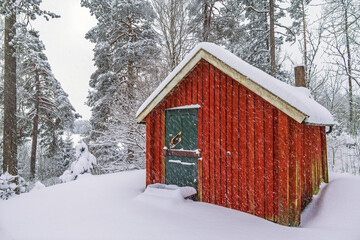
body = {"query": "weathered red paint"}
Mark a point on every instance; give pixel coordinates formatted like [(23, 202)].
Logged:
[(269, 163), (243, 149), (254, 157), (235, 146), (205, 133), (212, 133), (228, 141), (250, 151), (217, 141), (223, 138), (259, 157)]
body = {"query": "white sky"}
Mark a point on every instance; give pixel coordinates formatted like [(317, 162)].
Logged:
[(70, 54)]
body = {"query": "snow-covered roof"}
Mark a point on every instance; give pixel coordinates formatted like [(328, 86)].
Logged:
[(294, 101)]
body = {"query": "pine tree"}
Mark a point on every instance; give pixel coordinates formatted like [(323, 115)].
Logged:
[(30, 10), (125, 46), (45, 109), (68, 156), (247, 28)]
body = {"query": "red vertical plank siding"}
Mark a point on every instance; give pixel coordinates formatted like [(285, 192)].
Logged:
[(250, 152), (313, 159), (235, 146), (148, 150), (242, 149), (283, 171), (320, 156), (217, 140), (156, 137), (183, 92), (162, 144), (228, 141), (269, 161), (223, 138), (317, 157), (276, 164), (308, 165), (212, 133), (194, 86), (177, 99), (294, 174), (259, 157), (200, 127), (303, 166), (206, 130), (152, 149), (299, 160), (188, 90), (325, 173)]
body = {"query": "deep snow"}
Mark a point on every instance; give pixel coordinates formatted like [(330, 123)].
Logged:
[(114, 206)]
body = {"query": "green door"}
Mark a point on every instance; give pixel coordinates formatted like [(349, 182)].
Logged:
[(181, 141)]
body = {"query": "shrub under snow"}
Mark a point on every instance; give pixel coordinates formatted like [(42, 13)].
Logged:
[(10, 184), (38, 186), (84, 163)]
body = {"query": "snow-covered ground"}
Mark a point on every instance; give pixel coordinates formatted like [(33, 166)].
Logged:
[(114, 206)]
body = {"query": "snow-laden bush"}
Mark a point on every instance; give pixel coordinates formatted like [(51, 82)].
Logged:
[(85, 163), (38, 186), (10, 184)]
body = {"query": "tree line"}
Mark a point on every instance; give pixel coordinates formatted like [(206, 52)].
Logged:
[(137, 43)]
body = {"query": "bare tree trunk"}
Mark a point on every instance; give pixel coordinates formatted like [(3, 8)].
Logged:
[(206, 24), (272, 39), (10, 136), (349, 70), (35, 128), (307, 75), (130, 88)]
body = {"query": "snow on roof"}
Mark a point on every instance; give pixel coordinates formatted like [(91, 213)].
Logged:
[(294, 96)]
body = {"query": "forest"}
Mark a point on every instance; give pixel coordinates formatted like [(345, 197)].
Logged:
[(137, 44)]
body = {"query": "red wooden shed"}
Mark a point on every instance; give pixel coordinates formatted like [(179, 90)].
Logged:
[(242, 138)]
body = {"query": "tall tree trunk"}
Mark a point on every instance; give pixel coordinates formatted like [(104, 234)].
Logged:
[(349, 70), (307, 75), (35, 128), (272, 39), (206, 24), (130, 90), (10, 136)]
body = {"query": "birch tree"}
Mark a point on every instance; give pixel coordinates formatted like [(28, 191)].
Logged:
[(343, 34)]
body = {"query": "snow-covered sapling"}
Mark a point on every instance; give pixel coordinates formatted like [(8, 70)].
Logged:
[(84, 163), (10, 184)]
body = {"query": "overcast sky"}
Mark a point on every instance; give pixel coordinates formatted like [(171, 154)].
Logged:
[(70, 54)]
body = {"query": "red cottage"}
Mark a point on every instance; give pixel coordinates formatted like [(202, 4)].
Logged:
[(242, 138)]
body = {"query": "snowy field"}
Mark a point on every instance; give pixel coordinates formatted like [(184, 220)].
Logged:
[(114, 206)]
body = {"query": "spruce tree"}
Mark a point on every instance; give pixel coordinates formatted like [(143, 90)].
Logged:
[(125, 46), (29, 9), (45, 109)]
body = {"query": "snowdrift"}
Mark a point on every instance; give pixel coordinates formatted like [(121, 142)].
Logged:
[(115, 206)]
